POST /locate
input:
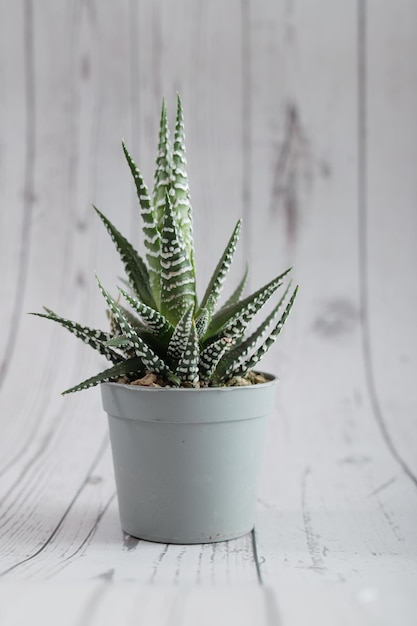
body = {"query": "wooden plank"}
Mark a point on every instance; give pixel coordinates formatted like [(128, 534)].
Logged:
[(103, 604), (58, 501), (345, 605), (336, 507), (389, 224), (16, 172), (29, 422), (185, 47)]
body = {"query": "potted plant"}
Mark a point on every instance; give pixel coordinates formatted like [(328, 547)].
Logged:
[(186, 410)]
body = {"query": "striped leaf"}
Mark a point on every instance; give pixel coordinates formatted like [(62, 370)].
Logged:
[(157, 344), (237, 294), (150, 359), (130, 366), (202, 322), (177, 272), (152, 237), (179, 189), (134, 321), (135, 267), (154, 320), (120, 341), (163, 170), (187, 369), (209, 302), (211, 355), (236, 317), (239, 352), (97, 339), (180, 336), (252, 361)]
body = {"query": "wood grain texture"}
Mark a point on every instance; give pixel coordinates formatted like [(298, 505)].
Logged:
[(389, 224), (342, 506), (299, 118), (105, 604), (101, 603), (47, 526)]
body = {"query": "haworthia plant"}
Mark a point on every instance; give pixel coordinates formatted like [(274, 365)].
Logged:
[(162, 328)]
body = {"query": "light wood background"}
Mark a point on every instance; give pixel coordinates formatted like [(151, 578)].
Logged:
[(301, 118)]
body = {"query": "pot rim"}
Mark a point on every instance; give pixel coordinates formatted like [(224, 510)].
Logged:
[(169, 405)]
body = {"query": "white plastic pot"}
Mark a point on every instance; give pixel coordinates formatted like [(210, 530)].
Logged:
[(187, 461)]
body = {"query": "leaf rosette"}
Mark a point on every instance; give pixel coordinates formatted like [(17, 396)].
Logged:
[(157, 325)]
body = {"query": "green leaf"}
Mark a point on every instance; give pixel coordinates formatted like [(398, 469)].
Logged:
[(97, 339), (134, 264), (237, 294), (134, 321), (236, 317), (119, 342), (157, 344), (187, 369), (237, 354), (202, 323), (158, 324), (180, 336), (250, 363), (177, 273), (217, 280), (129, 366), (179, 189), (211, 355), (163, 170), (150, 359), (152, 237)]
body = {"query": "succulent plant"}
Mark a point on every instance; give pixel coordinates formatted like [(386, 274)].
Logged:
[(162, 329)]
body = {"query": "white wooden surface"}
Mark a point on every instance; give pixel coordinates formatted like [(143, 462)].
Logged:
[(300, 116)]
